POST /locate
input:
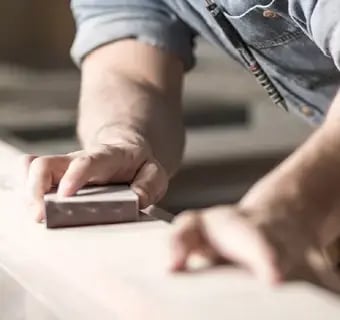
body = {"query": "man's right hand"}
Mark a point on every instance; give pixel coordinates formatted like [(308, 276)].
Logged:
[(123, 162), (130, 126)]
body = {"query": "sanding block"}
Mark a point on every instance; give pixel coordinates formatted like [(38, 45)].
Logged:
[(92, 206)]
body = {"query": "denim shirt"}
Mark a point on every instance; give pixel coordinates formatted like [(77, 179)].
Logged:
[(297, 42)]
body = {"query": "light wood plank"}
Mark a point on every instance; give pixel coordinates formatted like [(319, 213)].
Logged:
[(119, 272)]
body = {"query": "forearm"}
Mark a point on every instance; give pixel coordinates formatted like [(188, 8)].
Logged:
[(122, 99), (310, 178)]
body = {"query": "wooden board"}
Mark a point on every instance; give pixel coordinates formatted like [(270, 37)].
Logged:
[(120, 272), (8, 166)]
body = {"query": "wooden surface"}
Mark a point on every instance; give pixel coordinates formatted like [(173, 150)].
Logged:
[(119, 272)]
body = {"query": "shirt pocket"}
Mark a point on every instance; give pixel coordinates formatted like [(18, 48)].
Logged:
[(262, 23)]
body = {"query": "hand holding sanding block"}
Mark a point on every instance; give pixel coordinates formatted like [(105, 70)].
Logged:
[(92, 206)]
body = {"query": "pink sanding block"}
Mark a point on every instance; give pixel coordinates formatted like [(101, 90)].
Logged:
[(92, 206)]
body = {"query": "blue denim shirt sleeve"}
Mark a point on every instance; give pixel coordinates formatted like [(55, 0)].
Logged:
[(320, 19), (151, 21)]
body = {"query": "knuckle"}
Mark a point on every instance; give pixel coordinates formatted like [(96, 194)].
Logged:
[(186, 217), (154, 169), (75, 154), (186, 224), (157, 181), (84, 160), (160, 172), (125, 154), (187, 235), (225, 212), (106, 149), (41, 163), (179, 235), (138, 153), (131, 154), (105, 153)]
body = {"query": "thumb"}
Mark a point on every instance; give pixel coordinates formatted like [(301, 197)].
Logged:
[(150, 183)]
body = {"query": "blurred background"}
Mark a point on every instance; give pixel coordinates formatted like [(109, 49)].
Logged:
[(235, 135)]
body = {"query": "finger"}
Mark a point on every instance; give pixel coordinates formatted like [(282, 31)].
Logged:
[(150, 184), (319, 270), (76, 176), (39, 181), (103, 166), (43, 174), (330, 230), (204, 257), (185, 239), (235, 239)]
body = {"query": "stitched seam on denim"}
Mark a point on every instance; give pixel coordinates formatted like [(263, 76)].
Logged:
[(284, 38)]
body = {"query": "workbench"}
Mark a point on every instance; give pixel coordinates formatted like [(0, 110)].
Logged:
[(120, 272)]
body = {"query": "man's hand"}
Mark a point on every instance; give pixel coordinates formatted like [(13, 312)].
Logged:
[(116, 163), (223, 233), (280, 228), (130, 126), (273, 248)]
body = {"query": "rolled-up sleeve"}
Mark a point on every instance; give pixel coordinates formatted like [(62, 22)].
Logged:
[(321, 21), (100, 22)]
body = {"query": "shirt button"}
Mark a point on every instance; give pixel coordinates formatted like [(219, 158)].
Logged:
[(307, 111), (269, 14)]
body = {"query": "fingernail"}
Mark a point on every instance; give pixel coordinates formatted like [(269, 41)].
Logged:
[(172, 266), (143, 197), (38, 211), (277, 279), (65, 189), (177, 266), (42, 220), (271, 277)]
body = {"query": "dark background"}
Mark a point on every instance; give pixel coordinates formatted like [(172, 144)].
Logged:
[(36, 33)]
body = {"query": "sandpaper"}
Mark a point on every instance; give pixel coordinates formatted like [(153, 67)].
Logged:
[(92, 206)]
